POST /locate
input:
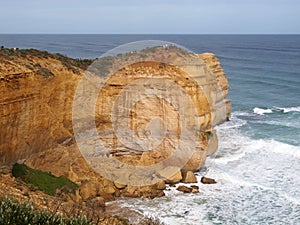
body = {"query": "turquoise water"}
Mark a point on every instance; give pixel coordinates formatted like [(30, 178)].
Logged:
[(257, 165)]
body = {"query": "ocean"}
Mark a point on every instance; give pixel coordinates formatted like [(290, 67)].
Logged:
[(257, 165)]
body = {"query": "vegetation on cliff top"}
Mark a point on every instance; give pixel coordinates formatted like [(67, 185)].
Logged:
[(101, 67), (45, 182), (65, 60)]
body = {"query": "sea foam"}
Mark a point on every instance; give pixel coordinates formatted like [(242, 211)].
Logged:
[(261, 111)]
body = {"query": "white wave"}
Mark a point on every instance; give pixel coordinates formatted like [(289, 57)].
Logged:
[(289, 109), (270, 145), (226, 159), (261, 111), (242, 182), (234, 146), (249, 146), (283, 148)]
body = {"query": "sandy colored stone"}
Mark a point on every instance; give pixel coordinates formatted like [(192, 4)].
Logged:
[(188, 177), (120, 186), (195, 189), (88, 190), (149, 191), (161, 185), (171, 174)]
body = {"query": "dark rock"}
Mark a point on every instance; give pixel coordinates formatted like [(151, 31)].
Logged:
[(184, 189), (206, 180)]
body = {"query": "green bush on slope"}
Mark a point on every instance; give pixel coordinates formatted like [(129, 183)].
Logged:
[(45, 182)]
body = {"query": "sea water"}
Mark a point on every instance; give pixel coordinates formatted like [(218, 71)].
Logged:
[(257, 165)]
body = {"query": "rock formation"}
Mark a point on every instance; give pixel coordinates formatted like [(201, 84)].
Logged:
[(215, 67), (37, 90)]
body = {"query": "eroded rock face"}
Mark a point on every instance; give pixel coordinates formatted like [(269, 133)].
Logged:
[(35, 110), (140, 110), (36, 119), (215, 67)]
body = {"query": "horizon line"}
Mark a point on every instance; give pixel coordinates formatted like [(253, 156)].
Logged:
[(149, 33)]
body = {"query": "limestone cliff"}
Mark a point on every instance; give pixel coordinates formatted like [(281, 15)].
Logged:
[(36, 97), (37, 90), (215, 67)]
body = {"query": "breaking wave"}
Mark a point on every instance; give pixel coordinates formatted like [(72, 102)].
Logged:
[(262, 111)]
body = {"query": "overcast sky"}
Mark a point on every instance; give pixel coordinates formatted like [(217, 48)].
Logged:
[(150, 16)]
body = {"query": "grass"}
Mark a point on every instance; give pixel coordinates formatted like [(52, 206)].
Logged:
[(12, 212), (44, 181), (70, 63)]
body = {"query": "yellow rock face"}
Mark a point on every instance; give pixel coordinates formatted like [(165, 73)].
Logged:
[(215, 67), (35, 110), (36, 117)]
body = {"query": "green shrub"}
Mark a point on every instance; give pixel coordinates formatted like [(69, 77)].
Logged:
[(44, 181), (12, 212)]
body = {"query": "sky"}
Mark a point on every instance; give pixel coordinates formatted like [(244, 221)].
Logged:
[(150, 16)]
